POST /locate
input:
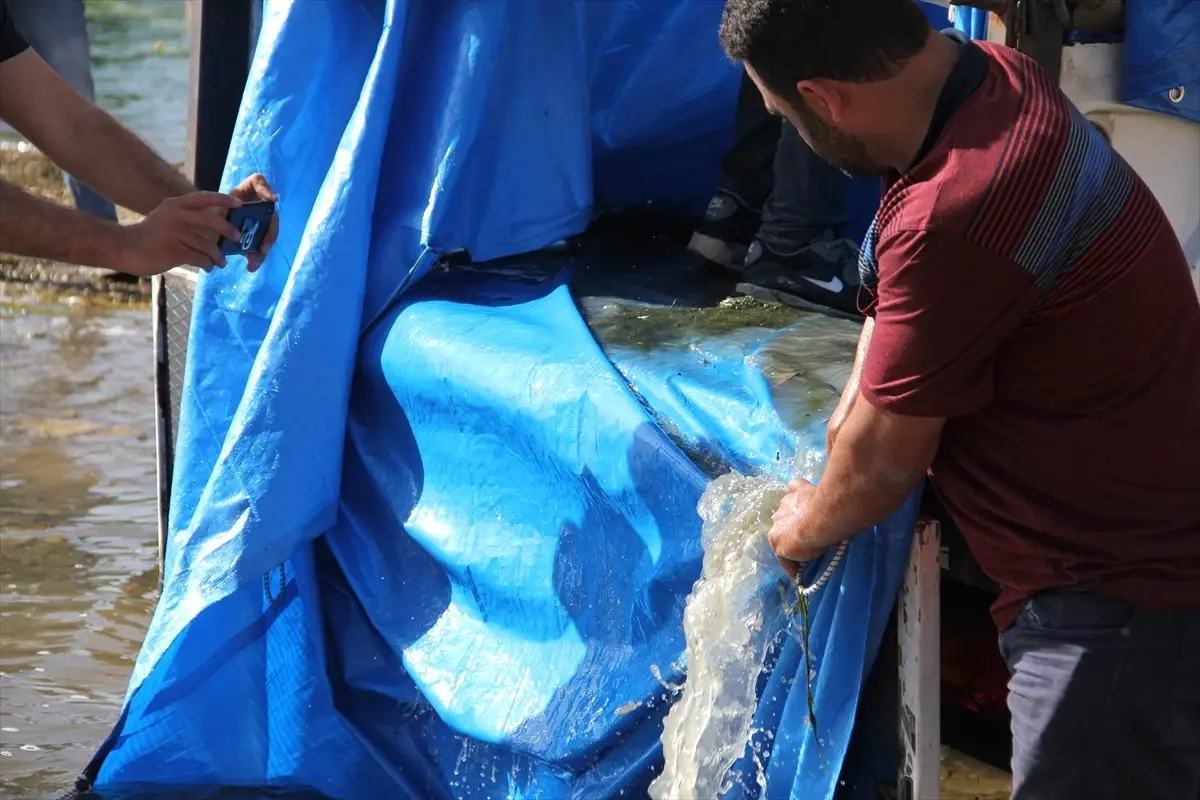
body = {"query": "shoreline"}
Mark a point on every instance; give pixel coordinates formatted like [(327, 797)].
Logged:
[(30, 170)]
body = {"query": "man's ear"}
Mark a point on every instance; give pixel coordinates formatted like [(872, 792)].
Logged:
[(823, 98)]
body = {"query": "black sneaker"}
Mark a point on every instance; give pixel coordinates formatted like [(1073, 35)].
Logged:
[(824, 274), (727, 231)]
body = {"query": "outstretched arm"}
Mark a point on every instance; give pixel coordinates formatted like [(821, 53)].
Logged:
[(31, 226), (946, 307), (181, 226), (877, 461), (182, 230), (82, 139)]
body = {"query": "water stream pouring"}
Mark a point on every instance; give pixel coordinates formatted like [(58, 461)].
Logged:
[(734, 616)]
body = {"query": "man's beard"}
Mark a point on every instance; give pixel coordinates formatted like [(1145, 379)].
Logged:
[(839, 149)]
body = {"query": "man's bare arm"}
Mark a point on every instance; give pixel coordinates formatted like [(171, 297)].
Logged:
[(850, 390), (181, 230), (82, 139), (877, 461), (31, 226)]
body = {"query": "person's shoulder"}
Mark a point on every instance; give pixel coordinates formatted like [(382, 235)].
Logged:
[(922, 243), (1008, 131), (935, 204)]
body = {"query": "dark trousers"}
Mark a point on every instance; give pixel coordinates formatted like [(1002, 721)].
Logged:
[(1105, 700), (770, 167)]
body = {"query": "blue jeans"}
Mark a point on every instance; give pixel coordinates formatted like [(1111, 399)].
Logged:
[(57, 31), (771, 167), (1105, 699)]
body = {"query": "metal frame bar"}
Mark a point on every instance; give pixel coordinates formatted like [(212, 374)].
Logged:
[(919, 642), (164, 455), (165, 430), (221, 33)]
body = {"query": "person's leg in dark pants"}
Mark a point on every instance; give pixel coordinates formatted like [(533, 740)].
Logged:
[(57, 31), (808, 197), (747, 179), (776, 214), (1105, 700), (797, 257)]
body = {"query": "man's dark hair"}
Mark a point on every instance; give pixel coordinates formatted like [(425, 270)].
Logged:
[(788, 41)]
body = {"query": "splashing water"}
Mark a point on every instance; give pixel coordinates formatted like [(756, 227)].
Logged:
[(708, 729)]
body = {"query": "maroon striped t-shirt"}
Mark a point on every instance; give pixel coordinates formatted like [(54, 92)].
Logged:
[(1027, 286)]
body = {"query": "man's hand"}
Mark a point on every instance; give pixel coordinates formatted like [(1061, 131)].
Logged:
[(785, 529), (253, 189), (182, 230)]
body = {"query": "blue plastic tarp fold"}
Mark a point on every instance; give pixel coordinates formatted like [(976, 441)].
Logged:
[(425, 539), (1162, 56)]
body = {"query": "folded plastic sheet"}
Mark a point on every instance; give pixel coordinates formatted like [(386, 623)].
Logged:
[(516, 538), (1161, 53), (425, 541), (1162, 56)]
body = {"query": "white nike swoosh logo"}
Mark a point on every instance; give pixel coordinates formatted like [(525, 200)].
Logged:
[(833, 285)]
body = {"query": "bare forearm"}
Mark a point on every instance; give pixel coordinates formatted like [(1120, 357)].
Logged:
[(863, 484), (860, 356), (116, 163), (850, 390), (82, 139), (31, 226), (847, 502)]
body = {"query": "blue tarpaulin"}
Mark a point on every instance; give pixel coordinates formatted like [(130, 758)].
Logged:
[(1161, 53), (1162, 56), (428, 534)]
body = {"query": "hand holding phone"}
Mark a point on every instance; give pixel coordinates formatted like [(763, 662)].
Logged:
[(252, 221), (253, 188)]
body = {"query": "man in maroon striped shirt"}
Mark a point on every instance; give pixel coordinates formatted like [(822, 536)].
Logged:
[(1033, 342)]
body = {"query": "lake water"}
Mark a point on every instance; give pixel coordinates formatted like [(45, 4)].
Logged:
[(78, 557), (78, 546)]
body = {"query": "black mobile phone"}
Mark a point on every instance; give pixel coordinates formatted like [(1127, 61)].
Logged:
[(253, 221)]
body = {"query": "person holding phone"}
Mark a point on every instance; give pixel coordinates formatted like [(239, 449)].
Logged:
[(181, 225)]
